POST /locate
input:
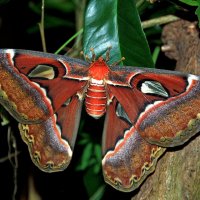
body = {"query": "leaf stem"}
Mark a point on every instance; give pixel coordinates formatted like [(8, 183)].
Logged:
[(158, 21), (69, 40), (41, 27)]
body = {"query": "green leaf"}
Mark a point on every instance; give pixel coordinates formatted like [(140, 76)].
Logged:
[(86, 157), (97, 152), (98, 157), (116, 23), (191, 2), (99, 193), (58, 5), (155, 54), (197, 12), (92, 183)]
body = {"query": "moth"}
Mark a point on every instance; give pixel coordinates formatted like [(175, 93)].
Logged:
[(146, 110)]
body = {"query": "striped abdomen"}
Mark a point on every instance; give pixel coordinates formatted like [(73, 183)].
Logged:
[(95, 100)]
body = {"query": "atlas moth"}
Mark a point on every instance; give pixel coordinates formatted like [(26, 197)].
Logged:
[(146, 110)]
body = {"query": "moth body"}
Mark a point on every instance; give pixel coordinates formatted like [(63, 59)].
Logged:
[(96, 96)]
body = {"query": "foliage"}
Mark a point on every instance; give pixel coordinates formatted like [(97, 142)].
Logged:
[(120, 28), (113, 23)]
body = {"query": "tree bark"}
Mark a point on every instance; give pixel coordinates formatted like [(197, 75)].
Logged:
[(177, 175)]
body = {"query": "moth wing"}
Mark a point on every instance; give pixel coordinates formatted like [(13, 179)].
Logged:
[(127, 158), (34, 85), (147, 110), (163, 106), (43, 92), (51, 142)]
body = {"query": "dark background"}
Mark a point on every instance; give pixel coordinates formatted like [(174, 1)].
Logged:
[(19, 30)]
